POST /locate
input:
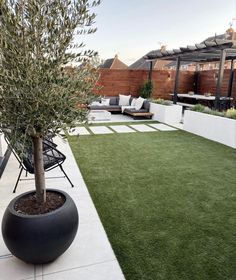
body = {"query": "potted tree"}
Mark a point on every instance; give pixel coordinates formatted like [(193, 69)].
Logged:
[(37, 95)]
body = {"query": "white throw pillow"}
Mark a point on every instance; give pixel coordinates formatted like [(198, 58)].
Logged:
[(133, 102), (96, 103), (124, 100), (105, 101), (139, 103)]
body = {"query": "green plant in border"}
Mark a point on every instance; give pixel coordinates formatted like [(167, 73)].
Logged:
[(162, 101), (203, 109), (199, 108), (231, 113), (36, 94), (146, 90)]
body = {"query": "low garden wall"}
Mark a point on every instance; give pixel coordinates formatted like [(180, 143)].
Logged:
[(219, 129)]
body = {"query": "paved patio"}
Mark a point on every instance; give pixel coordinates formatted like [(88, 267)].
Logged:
[(90, 257)]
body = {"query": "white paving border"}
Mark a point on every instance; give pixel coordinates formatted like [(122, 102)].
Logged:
[(90, 257)]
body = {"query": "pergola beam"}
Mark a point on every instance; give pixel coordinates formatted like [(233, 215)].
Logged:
[(208, 51)]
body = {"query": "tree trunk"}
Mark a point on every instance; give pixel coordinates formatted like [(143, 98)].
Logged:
[(39, 169)]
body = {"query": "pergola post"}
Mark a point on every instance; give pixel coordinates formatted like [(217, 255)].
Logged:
[(220, 79), (150, 71), (231, 78), (175, 98)]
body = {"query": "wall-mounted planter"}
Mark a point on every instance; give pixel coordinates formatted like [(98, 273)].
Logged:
[(171, 114), (219, 129)]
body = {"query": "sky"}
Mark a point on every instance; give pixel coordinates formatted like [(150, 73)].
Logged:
[(131, 28)]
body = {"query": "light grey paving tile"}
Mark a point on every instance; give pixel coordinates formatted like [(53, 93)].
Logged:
[(122, 128), (89, 247), (38, 270), (101, 271), (87, 213), (142, 128), (4, 252), (100, 130), (78, 131), (162, 127), (12, 268)]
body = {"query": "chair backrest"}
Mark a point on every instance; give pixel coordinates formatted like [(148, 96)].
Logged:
[(4, 160), (24, 154)]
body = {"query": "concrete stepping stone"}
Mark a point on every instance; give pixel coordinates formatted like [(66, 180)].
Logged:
[(78, 131), (122, 128), (162, 127), (142, 128), (100, 130)]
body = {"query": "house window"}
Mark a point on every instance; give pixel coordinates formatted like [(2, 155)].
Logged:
[(184, 67)]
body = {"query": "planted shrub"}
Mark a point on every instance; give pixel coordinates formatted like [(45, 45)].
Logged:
[(231, 113), (146, 89), (199, 108), (203, 109), (162, 101)]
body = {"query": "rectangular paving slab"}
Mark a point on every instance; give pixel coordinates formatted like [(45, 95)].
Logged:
[(78, 131), (122, 128), (162, 127), (142, 127), (100, 130)]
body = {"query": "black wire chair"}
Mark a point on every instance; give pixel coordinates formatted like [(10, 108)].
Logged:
[(52, 158), (4, 160)]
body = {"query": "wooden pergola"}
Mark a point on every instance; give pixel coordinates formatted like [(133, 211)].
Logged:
[(209, 51)]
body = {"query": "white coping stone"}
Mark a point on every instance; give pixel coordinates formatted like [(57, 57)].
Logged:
[(162, 127), (142, 128), (78, 131), (122, 128), (100, 130)]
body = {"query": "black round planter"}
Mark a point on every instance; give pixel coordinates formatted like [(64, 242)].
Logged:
[(42, 238)]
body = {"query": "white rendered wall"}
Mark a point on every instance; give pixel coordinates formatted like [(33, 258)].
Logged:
[(219, 129)]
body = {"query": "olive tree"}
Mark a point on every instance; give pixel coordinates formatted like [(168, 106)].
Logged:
[(37, 39)]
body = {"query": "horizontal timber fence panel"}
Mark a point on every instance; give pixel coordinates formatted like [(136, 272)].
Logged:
[(125, 81)]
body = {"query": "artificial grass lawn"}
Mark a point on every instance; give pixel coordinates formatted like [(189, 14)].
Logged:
[(167, 201)]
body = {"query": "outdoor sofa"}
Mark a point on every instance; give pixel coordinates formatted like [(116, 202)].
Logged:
[(112, 105)]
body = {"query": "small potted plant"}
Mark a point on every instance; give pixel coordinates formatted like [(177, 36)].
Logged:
[(38, 95), (146, 89)]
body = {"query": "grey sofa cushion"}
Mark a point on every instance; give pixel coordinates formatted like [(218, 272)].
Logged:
[(146, 105), (110, 107), (130, 100), (114, 100)]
